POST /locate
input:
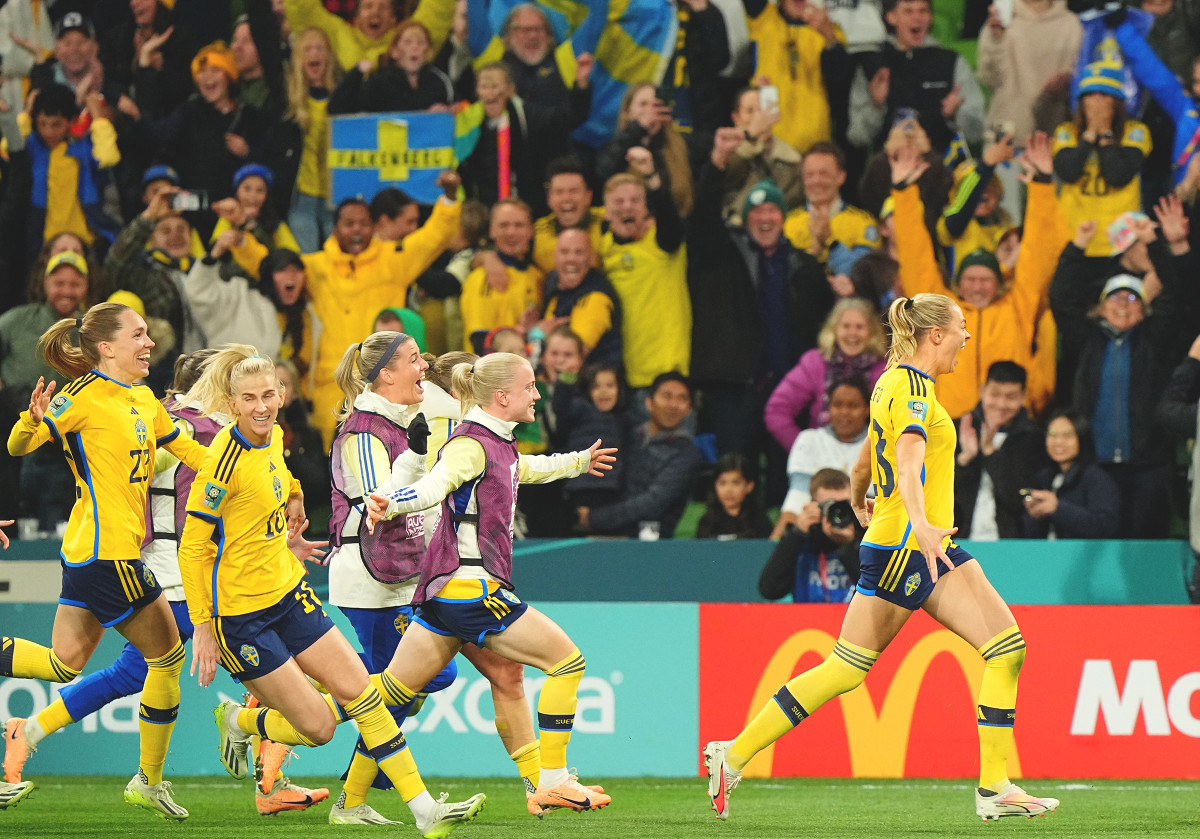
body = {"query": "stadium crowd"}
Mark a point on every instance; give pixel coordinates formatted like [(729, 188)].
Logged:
[(691, 247)]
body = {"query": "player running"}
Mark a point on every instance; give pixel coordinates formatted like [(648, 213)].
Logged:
[(109, 430), (252, 609), (909, 561), (464, 591)]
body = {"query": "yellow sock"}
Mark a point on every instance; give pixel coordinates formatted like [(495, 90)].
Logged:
[(269, 723), (359, 777), (842, 671), (53, 717), (159, 708), (394, 692), (23, 659), (529, 764), (996, 713), (556, 709), (385, 742)]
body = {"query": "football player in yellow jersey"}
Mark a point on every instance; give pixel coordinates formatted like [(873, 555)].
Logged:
[(253, 611), (909, 561), (108, 429)]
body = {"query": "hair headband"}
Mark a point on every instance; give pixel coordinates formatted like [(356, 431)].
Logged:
[(387, 356)]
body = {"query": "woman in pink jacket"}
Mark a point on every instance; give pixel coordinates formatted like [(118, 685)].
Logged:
[(851, 344)]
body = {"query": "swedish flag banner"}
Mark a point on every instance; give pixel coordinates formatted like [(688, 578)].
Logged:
[(368, 152)]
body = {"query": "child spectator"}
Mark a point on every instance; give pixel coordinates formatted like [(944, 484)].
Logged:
[(312, 77), (365, 37), (1074, 498), (401, 80), (732, 512), (1098, 156), (591, 408), (58, 170), (250, 211), (504, 141)]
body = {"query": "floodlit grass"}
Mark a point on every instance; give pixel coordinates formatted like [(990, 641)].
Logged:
[(662, 808)]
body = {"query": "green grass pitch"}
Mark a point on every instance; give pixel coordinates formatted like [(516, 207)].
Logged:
[(661, 808)]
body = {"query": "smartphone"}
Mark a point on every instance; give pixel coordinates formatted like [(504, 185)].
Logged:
[(186, 201), (768, 98)]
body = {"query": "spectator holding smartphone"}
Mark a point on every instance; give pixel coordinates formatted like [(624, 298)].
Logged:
[(1073, 498)]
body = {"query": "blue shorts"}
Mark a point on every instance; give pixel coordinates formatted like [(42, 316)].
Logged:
[(901, 575), (112, 590), (258, 643), (471, 620)]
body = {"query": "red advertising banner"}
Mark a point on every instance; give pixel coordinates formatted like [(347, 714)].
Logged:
[(1106, 692)]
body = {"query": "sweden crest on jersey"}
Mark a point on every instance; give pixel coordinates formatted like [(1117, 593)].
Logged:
[(139, 428), (911, 584)]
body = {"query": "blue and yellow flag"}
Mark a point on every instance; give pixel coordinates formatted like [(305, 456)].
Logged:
[(368, 152)]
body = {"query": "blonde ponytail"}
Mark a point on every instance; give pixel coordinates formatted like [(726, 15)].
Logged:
[(214, 390), (910, 318), (476, 384), (359, 360), (101, 323)]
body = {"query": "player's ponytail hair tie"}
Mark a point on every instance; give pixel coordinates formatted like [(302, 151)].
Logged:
[(79, 323), (908, 304)]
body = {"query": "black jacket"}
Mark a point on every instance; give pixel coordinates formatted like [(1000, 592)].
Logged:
[(388, 89), (1088, 505), (658, 481), (537, 134), (1011, 467), (778, 577), (1071, 297), (727, 329)]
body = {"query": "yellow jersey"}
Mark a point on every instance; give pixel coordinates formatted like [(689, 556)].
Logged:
[(903, 401), (849, 226), (1092, 197), (109, 433), (484, 309), (234, 555), (545, 237)]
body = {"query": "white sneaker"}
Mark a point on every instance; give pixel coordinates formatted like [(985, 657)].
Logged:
[(721, 779), (448, 815), (1012, 801), (153, 797), (234, 742), (13, 794), (362, 814)]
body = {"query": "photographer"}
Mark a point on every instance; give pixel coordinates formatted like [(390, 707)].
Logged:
[(817, 558)]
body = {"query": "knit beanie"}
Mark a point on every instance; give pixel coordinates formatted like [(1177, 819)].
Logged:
[(218, 55), (763, 192), (980, 257)]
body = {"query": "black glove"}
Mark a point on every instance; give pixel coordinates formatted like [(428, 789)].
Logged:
[(418, 435), (1115, 18)]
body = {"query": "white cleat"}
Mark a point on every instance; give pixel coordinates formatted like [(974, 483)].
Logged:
[(153, 797), (235, 743), (721, 779), (13, 794), (362, 814), (450, 814), (1012, 801)]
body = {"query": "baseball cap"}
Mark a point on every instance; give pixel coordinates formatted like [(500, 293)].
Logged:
[(74, 22), (66, 258), (1123, 282), (160, 172)]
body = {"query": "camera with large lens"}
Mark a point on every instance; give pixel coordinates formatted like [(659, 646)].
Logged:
[(839, 514)]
